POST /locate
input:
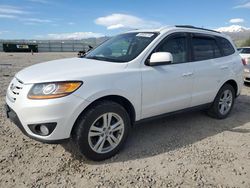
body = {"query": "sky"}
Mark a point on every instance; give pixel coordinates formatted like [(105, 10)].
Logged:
[(65, 19)]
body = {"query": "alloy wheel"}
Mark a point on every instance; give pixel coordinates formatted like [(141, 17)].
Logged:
[(106, 133), (225, 102)]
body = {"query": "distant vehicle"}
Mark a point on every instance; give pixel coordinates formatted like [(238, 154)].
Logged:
[(133, 77), (245, 54), (239, 49), (9, 47)]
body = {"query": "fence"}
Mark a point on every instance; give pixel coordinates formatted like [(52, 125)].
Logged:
[(57, 45), (62, 46)]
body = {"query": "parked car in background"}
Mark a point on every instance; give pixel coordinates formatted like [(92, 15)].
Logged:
[(133, 77), (245, 54), (239, 49)]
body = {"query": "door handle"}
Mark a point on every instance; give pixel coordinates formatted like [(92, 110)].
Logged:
[(224, 67), (187, 74)]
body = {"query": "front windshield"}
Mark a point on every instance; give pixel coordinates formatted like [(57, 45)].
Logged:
[(122, 48), (245, 51)]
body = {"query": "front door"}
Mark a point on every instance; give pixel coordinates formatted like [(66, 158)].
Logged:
[(168, 88)]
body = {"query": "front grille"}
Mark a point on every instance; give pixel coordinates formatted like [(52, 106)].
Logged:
[(248, 79), (14, 89)]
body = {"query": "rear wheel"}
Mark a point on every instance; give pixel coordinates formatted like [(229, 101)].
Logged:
[(223, 102), (101, 131)]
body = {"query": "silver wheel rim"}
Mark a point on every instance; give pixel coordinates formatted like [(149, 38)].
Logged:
[(106, 133), (225, 102)]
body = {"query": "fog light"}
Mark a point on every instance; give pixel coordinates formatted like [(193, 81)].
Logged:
[(44, 130)]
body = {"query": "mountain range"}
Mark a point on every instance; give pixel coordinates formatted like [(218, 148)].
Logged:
[(236, 32)]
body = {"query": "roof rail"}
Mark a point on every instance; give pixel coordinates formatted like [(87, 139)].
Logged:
[(193, 27)]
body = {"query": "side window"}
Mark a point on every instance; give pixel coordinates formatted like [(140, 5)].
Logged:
[(227, 47), (205, 48), (177, 47)]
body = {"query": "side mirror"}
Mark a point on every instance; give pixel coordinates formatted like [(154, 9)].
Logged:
[(160, 58)]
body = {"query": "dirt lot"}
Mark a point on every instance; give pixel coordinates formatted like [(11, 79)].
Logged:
[(188, 150)]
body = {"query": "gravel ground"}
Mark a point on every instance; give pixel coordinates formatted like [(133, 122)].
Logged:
[(188, 150)]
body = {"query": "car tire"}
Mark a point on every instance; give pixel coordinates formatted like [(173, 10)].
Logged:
[(98, 140), (223, 102)]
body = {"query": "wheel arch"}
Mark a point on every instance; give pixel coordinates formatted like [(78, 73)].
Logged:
[(115, 98), (234, 84)]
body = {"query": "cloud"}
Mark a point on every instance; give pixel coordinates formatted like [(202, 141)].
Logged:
[(26, 21), (36, 20), (246, 5), (71, 23), (39, 1), (30, 23), (118, 21), (117, 26), (7, 16), (237, 20), (71, 36), (11, 12), (3, 32), (55, 25), (6, 9)]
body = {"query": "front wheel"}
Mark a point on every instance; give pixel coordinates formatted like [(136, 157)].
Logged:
[(223, 102), (101, 131)]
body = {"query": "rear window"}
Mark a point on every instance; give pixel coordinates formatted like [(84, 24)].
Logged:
[(227, 47), (205, 48)]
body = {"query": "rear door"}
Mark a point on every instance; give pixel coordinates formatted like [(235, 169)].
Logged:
[(209, 68)]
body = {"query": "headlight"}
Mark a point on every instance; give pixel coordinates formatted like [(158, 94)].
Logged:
[(53, 90)]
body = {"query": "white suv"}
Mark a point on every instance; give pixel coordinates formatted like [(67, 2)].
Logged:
[(134, 76)]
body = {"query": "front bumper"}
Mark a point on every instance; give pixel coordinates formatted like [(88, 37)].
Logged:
[(11, 114), (63, 111)]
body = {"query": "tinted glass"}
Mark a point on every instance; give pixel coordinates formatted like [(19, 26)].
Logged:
[(227, 47), (177, 47), (205, 48), (245, 51), (122, 48)]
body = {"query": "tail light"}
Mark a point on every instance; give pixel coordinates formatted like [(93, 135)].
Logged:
[(244, 62)]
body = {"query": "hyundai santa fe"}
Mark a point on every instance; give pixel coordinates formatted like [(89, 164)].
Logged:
[(135, 76)]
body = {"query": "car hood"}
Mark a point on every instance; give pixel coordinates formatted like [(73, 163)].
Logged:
[(67, 69)]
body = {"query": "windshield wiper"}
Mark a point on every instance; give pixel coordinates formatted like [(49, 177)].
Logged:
[(95, 57), (105, 59)]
